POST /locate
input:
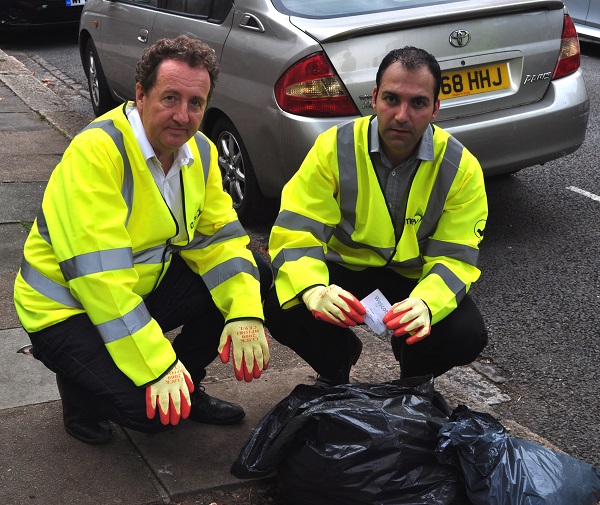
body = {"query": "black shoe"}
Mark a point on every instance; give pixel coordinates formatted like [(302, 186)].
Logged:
[(80, 424), (209, 410), (90, 431)]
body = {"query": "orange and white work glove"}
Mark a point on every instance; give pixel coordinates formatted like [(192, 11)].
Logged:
[(334, 305), (409, 316), (246, 340), (171, 394)]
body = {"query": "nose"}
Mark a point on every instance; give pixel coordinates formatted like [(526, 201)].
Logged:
[(180, 115), (401, 115)]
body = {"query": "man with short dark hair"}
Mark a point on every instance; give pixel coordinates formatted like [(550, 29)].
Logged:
[(135, 238), (388, 202)]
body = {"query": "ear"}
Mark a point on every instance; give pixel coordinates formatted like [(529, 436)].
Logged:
[(374, 98), (139, 95), (436, 109)]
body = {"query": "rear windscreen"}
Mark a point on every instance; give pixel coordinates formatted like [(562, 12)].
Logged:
[(338, 8)]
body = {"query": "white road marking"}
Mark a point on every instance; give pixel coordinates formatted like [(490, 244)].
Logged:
[(584, 193)]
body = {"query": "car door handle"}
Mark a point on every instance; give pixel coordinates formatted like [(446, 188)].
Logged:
[(251, 22), (143, 36)]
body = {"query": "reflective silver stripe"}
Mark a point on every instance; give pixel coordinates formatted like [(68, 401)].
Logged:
[(452, 250), (47, 287), (204, 149), (43, 226), (450, 279), (225, 271), (229, 231), (126, 325), (333, 256), (385, 252), (286, 255), (411, 263), (439, 193), (151, 256), (116, 135), (95, 262), (293, 221), (348, 177)]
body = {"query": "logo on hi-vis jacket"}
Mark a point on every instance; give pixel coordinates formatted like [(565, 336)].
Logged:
[(414, 221), (479, 228)]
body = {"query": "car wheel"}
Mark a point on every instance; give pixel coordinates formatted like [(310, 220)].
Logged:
[(102, 100), (239, 179)]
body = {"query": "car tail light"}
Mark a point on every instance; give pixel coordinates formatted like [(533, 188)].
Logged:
[(569, 57), (311, 87)]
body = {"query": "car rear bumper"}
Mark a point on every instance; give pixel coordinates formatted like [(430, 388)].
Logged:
[(532, 134), (17, 16)]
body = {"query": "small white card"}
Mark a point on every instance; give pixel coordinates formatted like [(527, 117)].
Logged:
[(377, 306)]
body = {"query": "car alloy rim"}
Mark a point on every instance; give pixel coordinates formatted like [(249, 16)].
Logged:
[(231, 163), (94, 80)]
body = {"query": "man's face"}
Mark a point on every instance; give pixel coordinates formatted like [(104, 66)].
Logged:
[(404, 105), (172, 109)]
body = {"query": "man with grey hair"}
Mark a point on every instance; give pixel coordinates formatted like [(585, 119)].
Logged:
[(135, 238)]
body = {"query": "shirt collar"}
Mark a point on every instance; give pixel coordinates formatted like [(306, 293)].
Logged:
[(183, 156), (424, 150)]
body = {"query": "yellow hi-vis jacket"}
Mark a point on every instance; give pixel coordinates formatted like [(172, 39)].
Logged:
[(334, 209), (103, 241)]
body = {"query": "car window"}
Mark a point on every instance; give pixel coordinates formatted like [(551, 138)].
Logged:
[(196, 7), (147, 3), (337, 8), (215, 10)]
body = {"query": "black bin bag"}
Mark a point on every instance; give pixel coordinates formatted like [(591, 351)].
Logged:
[(371, 444), (502, 470)]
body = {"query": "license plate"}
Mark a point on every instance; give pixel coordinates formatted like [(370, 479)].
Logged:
[(471, 81), (74, 3)]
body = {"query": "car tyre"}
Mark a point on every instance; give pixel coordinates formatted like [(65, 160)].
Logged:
[(239, 178), (102, 100)]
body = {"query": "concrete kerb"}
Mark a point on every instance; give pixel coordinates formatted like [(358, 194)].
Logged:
[(39, 98)]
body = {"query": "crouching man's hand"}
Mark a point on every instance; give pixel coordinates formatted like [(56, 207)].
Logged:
[(334, 305), (246, 340), (171, 394), (409, 316)]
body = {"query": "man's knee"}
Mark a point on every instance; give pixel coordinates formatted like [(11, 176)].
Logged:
[(472, 345)]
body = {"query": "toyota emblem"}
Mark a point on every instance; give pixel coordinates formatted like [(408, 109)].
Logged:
[(459, 38)]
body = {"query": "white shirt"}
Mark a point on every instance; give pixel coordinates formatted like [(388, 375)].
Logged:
[(168, 184)]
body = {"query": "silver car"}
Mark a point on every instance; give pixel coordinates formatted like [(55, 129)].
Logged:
[(586, 15), (513, 91)]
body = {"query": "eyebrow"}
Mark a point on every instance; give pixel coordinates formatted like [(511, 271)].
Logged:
[(175, 92), (396, 95)]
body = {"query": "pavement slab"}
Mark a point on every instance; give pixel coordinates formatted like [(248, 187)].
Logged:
[(23, 379), (20, 201), (8, 314), (42, 464)]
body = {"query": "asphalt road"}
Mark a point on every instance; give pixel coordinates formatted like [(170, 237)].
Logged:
[(540, 287)]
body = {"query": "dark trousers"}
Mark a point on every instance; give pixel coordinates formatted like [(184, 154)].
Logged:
[(89, 378), (455, 340)]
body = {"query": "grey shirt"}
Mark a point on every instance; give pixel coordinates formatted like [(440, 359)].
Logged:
[(395, 181)]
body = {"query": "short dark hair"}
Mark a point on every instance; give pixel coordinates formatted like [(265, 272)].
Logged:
[(183, 48), (412, 58)]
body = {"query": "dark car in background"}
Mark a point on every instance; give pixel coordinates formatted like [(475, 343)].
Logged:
[(16, 14), (513, 92)]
